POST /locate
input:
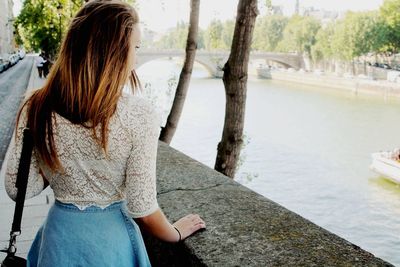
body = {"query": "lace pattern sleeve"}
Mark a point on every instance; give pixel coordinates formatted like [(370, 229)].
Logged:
[(35, 180), (141, 167)]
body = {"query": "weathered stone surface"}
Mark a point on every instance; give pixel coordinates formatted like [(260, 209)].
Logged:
[(243, 227)]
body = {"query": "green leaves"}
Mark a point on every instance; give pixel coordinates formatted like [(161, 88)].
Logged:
[(323, 48), (299, 34), (390, 14), (41, 23), (213, 34), (269, 32), (176, 38), (354, 36), (218, 35), (358, 33)]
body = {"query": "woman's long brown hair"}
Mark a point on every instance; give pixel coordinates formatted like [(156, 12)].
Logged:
[(87, 78)]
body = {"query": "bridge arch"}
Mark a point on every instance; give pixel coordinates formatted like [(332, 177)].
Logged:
[(207, 64), (285, 64), (288, 61)]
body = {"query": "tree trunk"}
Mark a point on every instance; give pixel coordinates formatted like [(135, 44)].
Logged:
[(235, 82), (168, 131)]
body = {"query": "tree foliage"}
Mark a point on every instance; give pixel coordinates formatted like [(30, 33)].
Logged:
[(269, 32), (323, 47), (356, 35), (389, 12), (41, 23), (212, 37), (218, 35), (175, 38), (227, 34), (300, 34)]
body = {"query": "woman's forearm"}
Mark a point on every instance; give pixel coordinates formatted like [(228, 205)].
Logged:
[(159, 226)]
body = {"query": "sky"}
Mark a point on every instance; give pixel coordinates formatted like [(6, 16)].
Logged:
[(159, 15)]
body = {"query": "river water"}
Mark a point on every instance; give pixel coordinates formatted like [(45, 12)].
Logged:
[(307, 149)]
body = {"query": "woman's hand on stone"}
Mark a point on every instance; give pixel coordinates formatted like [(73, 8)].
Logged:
[(189, 224)]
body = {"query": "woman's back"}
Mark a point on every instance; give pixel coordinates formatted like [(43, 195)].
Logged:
[(91, 177)]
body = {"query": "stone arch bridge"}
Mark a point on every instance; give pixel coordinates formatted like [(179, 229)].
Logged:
[(214, 61)]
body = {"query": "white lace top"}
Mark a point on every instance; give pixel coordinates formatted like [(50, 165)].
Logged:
[(90, 178)]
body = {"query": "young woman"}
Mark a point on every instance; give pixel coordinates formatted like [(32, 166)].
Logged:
[(96, 147)]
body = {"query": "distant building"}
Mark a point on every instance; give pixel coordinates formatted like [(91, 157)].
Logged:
[(6, 27), (324, 16)]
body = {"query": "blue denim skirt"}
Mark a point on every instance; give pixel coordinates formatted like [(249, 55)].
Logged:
[(88, 238)]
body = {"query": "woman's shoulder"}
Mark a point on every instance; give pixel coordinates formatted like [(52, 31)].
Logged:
[(135, 103), (136, 106), (135, 109)]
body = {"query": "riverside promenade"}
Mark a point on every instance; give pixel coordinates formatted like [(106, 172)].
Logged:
[(243, 227)]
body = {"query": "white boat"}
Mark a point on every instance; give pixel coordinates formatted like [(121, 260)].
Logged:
[(385, 163)]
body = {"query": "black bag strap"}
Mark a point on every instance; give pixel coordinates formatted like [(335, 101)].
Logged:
[(21, 184), (22, 179)]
